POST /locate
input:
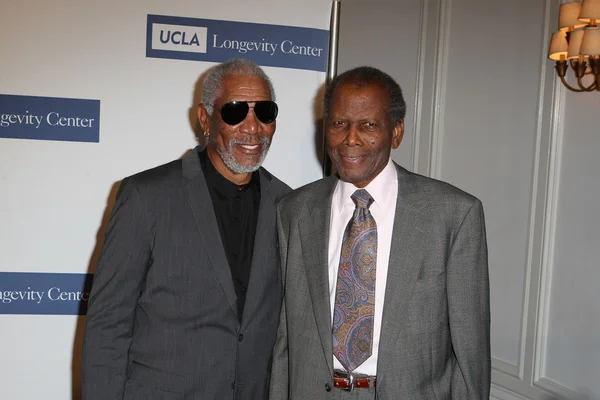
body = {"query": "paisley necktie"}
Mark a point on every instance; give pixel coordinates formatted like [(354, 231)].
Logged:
[(354, 306)]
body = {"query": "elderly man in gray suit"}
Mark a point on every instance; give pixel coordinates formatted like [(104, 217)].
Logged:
[(385, 271), (187, 291)]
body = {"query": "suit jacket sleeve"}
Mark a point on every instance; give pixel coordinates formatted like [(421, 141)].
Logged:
[(469, 307), (280, 369), (119, 277)]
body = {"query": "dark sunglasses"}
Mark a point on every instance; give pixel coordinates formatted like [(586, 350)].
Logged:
[(236, 111)]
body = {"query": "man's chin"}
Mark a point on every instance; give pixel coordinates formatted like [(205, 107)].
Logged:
[(348, 177), (247, 167), (250, 161), (356, 180)]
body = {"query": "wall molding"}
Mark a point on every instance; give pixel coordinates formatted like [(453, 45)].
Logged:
[(419, 89), (427, 101), (431, 87), (542, 203), (556, 388), (506, 368), (549, 234), (439, 98), (555, 113), (501, 393)]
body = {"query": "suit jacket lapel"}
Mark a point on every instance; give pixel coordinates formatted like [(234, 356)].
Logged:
[(263, 248), (405, 259), (314, 232), (206, 221)]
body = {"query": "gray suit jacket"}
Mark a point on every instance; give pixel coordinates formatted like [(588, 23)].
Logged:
[(162, 320), (435, 338)]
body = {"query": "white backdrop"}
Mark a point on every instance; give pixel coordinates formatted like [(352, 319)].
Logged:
[(55, 196)]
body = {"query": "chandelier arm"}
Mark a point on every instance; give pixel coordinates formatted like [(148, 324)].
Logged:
[(590, 88), (588, 69), (564, 81), (595, 66)]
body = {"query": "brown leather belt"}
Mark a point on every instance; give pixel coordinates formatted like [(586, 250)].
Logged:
[(350, 383)]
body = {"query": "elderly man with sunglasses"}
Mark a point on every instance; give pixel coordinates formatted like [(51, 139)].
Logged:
[(185, 301)]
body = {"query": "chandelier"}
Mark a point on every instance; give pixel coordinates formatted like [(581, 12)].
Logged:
[(577, 43)]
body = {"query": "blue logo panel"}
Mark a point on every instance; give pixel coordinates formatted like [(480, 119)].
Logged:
[(44, 293), (217, 41), (49, 118)]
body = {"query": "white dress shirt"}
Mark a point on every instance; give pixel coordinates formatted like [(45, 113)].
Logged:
[(384, 191)]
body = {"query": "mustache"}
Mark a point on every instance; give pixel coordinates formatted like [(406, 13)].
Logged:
[(249, 140)]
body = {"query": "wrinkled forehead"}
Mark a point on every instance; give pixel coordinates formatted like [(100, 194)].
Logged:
[(244, 87)]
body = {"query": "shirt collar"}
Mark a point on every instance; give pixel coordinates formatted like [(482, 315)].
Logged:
[(378, 188)]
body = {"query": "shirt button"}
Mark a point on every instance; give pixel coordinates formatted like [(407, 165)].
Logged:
[(240, 337), (327, 387)]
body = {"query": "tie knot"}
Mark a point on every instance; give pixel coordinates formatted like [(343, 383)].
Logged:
[(362, 198)]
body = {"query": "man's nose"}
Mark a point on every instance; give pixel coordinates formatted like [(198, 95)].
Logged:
[(352, 137), (250, 124)]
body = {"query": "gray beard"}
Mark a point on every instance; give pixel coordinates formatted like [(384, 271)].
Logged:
[(234, 166)]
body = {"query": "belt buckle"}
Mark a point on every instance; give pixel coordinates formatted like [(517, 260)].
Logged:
[(350, 377), (350, 382)]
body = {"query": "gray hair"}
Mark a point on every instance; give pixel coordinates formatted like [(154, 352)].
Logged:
[(237, 67), (365, 76)]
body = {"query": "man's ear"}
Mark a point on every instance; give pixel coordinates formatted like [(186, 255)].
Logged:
[(398, 134), (204, 118)]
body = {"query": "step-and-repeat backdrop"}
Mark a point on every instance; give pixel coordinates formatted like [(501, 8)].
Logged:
[(91, 92)]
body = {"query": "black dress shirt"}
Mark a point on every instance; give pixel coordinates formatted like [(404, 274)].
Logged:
[(236, 209)]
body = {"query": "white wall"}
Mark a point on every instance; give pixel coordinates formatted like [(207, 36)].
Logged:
[(366, 35), (486, 114), (572, 352)]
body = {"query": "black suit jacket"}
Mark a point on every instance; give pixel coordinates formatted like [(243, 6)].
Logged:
[(162, 320)]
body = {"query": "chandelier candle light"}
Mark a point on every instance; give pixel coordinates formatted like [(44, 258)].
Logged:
[(578, 42)]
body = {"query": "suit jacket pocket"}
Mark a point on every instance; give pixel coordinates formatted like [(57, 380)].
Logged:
[(152, 378)]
